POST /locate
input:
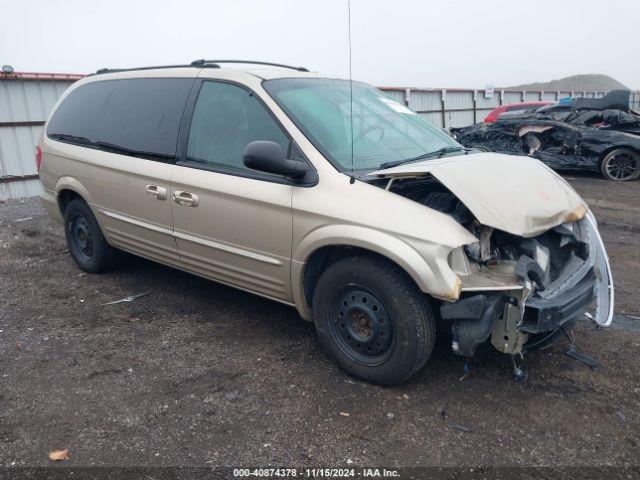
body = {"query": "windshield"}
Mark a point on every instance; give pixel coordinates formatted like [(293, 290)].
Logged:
[(383, 130)]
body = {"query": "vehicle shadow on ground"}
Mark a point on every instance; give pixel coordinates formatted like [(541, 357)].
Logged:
[(187, 294), (265, 322)]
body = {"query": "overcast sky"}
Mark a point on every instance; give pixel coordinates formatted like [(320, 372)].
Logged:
[(459, 43)]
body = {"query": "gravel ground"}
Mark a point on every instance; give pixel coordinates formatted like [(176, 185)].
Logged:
[(199, 374)]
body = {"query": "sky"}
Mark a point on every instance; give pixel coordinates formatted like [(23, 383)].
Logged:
[(444, 43)]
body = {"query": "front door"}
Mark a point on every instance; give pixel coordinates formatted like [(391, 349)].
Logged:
[(232, 224)]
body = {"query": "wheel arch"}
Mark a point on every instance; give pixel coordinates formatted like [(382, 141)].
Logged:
[(326, 246), (608, 150), (69, 188)]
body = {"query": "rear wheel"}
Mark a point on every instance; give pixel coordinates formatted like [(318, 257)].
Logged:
[(621, 164), (87, 244), (373, 320)]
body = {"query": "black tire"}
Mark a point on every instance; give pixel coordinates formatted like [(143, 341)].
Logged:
[(87, 244), (373, 320), (620, 165)]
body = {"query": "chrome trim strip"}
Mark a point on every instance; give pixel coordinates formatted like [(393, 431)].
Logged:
[(137, 222), (192, 238), (227, 248)]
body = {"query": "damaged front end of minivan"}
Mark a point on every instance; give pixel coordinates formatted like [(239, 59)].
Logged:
[(538, 262), (520, 291)]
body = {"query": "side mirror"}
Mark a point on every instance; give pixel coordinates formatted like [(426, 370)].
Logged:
[(268, 157)]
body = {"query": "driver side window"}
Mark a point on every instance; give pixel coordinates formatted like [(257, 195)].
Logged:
[(225, 120)]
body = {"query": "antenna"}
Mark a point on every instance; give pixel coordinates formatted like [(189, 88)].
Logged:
[(350, 86)]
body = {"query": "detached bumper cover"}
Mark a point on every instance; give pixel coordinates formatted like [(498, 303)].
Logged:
[(603, 288)]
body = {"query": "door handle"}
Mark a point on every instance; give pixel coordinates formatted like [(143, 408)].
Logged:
[(185, 199), (157, 192)]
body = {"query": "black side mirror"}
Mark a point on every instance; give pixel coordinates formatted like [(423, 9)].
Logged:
[(268, 157)]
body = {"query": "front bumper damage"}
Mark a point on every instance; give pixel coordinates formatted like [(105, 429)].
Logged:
[(505, 304), (537, 261)]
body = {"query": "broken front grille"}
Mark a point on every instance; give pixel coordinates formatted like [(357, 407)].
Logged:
[(593, 262)]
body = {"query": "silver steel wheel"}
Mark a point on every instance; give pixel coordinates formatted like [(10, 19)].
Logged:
[(621, 165)]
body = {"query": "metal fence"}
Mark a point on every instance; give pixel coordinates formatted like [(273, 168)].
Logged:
[(26, 99), (447, 108)]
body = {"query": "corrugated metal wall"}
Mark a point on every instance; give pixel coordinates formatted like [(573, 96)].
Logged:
[(458, 107), (24, 107), (26, 100)]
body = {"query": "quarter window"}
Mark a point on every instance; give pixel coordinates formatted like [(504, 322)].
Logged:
[(135, 117), (225, 120)]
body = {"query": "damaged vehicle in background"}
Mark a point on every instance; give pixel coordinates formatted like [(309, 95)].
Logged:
[(596, 135), (328, 196)]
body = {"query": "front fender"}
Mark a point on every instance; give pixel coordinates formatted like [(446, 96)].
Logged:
[(425, 263)]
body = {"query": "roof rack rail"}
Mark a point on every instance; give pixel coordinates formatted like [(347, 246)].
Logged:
[(200, 64), (210, 63), (114, 70)]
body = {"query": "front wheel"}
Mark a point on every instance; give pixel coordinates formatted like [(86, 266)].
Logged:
[(621, 164), (373, 320)]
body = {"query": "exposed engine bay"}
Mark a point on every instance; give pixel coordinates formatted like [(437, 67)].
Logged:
[(518, 292)]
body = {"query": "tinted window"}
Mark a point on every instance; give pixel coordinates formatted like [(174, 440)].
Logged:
[(140, 117), (225, 120)]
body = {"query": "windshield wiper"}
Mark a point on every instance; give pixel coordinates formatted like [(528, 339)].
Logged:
[(437, 153)]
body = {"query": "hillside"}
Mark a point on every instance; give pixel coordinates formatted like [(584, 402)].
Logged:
[(587, 82)]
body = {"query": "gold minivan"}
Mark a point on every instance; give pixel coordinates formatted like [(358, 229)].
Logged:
[(329, 196)]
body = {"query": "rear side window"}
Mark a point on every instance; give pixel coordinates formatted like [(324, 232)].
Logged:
[(138, 117)]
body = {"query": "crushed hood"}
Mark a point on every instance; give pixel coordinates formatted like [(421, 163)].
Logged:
[(515, 194)]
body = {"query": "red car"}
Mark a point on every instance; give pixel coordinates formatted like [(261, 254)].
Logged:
[(527, 106)]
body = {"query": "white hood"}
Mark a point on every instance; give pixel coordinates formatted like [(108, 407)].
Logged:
[(519, 195)]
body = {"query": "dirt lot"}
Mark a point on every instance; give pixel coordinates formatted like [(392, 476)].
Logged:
[(200, 374)]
